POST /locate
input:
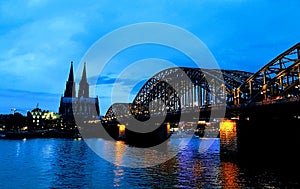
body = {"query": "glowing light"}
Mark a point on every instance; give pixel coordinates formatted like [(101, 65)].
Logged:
[(227, 125), (228, 138), (201, 122), (121, 127), (121, 130), (168, 128), (24, 128), (174, 129)]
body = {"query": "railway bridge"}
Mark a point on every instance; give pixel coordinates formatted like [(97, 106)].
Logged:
[(266, 103), (187, 90)]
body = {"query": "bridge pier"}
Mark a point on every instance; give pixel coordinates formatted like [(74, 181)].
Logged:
[(267, 133), (228, 139), (266, 142), (269, 141)]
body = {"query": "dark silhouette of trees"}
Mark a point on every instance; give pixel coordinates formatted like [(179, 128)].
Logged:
[(12, 122)]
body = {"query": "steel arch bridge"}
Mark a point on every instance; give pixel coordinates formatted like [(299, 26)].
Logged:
[(181, 89), (185, 89)]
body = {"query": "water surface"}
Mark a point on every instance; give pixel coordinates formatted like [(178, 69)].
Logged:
[(67, 163)]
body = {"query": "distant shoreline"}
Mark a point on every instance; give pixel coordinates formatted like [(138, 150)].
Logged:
[(40, 134)]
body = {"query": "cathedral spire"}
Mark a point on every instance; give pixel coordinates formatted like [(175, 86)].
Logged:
[(83, 85), (70, 90), (83, 77), (71, 76)]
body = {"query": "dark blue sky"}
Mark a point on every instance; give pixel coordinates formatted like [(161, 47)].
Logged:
[(39, 38)]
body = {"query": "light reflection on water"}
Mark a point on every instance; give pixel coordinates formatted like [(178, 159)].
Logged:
[(55, 163)]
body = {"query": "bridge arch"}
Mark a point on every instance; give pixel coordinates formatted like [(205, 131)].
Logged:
[(283, 71), (207, 87)]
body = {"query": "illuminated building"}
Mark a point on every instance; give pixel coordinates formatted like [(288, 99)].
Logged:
[(39, 119), (36, 115), (82, 106)]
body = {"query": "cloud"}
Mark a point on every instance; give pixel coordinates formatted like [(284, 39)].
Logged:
[(34, 54), (27, 100)]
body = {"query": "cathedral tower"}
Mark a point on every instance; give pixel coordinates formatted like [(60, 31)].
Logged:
[(83, 85), (70, 90), (82, 106)]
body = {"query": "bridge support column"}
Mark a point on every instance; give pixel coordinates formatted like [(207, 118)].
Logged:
[(228, 139), (199, 96), (236, 96)]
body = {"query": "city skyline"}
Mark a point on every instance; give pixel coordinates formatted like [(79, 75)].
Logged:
[(40, 39)]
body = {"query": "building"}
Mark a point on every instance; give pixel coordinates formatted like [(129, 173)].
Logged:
[(83, 106), (39, 119)]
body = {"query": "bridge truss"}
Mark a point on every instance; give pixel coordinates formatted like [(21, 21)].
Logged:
[(183, 89), (277, 79)]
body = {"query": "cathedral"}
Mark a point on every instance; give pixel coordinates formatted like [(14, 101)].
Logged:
[(83, 105)]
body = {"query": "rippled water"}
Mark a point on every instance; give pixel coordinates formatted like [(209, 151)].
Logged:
[(65, 163)]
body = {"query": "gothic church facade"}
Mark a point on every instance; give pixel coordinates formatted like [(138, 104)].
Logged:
[(83, 106)]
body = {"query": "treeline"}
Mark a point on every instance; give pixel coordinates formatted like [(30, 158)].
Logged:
[(14, 121)]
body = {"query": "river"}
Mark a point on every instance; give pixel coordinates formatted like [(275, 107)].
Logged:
[(68, 163)]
